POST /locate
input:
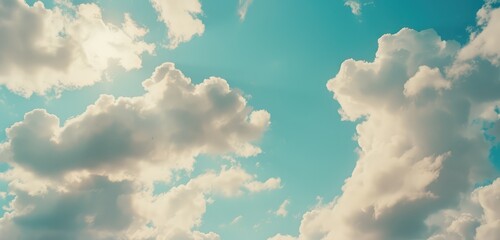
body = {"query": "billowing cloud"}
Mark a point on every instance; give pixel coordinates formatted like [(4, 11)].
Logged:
[(421, 106), (169, 125), (478, 217), (181, 19), (93, 176), (425, 78), (485, 43), (96, 207), (460, 227), (93, 207), (64, 47), (243, 8), (173, 217), (488, 197)]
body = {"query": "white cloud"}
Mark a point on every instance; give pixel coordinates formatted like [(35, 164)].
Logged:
[(243, 8), (166, 127), (270, 184), (488, 198), (282, 237), (354, 5), (425, 78), (236, 220), (478, 217), (454, 226), (64, 47), (485, 42), (420, 106), (181, 17), (174, 218), (282, 211), (92, 177), (95, 207), (67, 214)]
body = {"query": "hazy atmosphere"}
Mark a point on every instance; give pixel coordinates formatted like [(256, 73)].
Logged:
[(249, 120)]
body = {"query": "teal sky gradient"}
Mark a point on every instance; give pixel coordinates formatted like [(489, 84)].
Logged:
[(281, 56)]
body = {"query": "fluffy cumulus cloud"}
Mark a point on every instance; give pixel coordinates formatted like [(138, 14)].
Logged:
[(93, 176), (477, 217), (485, 43), (68, 46), (488, 198), (169, 125), (181, 19), (422, 105)]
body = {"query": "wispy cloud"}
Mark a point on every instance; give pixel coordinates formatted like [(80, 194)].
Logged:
[(355, 6), (236, 220), (282, 211), (243, 8)]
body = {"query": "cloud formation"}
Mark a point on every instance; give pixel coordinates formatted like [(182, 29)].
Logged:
[(354, 5), (421, 105), (243, 8), (282, 211), (69, 46), (93, 176), (487, 197), (169, 125), (484, 44), (282, 237), (181, 19)]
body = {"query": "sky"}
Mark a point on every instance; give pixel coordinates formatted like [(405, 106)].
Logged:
[(250, 119)]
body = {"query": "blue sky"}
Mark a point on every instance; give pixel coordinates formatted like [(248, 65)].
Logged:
[(280, 58)]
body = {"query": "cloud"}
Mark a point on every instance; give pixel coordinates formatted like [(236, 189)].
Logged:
[(420, 107), (181, 19), (243, 8), (64, 214), (485, 43), (487, 197), (425, 78), (462, 226), (93, 176), (236, 220), (96, 207), (478, 216), (354, 5), (270, 184), (173, 217), (173, 122), (282, 211), (282, 237), (64, 47)]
